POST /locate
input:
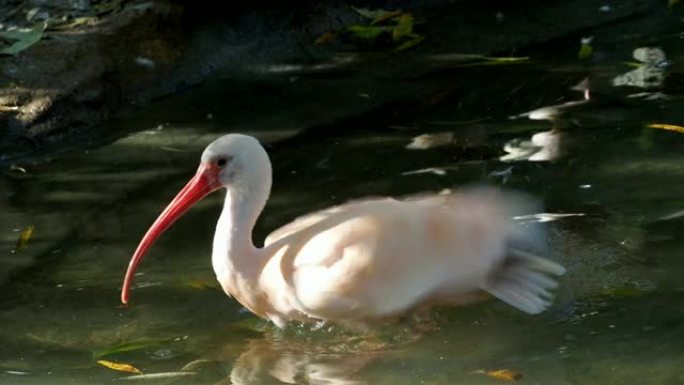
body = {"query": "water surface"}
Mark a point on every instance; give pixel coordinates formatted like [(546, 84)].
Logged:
[(618, 317)]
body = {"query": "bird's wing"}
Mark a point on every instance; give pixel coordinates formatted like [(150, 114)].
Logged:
[(378, 257), (374, 258), (310, 220)]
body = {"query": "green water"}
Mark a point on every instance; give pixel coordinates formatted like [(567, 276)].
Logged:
[(618, 317)]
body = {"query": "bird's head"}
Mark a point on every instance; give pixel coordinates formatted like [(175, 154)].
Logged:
[(232, 161)]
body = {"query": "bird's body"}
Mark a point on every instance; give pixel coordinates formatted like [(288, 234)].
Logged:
[(365, 260)]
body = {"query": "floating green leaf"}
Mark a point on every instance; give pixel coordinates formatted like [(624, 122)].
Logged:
[(415, 39), (633, 64), (585, 48), (403, 28), (21, 39), (585, 51), (368, 32)]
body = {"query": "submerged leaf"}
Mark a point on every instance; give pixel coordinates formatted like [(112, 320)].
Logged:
[(24, 238), (193, 366), (107, 7), (122, 367), (158, 376), (404, 27), (378, 15), (199, 284), (21, 39), (625, 292), (129, 347), (77, 22), (668, 127), (470, 60), (32, 13), (325, 38), (20, 169), (386, 16), (502, 374), (507, 60)]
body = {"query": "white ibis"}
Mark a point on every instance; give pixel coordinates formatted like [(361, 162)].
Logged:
[(365, 260)]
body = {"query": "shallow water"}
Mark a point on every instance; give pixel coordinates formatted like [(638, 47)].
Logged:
[(618, 317)]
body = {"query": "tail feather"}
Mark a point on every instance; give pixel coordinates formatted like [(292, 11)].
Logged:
[(524, 280)]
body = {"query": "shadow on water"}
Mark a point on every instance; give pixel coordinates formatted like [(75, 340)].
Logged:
[(610, 182)]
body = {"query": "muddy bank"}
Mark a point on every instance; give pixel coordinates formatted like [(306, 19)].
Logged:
[(60, 89)]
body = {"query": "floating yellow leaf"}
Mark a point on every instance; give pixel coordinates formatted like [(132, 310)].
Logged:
[(501, 374), (24, 238), (128, 368), (404, 27), (668, 127)]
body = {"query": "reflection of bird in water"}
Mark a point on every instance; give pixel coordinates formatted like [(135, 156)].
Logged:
[(265, 360), (556, 112), (649, 75), (542, 146), (551, 144), (650, 71), (363, 261), (547, 145)]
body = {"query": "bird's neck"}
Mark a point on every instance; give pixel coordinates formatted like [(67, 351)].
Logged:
[(235, 259)]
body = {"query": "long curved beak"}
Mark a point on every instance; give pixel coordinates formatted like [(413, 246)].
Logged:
[(204, 182)]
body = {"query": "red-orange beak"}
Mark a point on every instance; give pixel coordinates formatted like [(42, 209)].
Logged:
[(205, 181)]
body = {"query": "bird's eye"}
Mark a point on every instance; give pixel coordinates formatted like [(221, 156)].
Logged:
[(221, 162)]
